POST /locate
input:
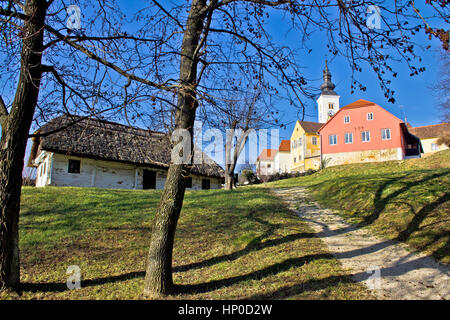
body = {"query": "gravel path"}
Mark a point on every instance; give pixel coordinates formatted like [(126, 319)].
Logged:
[(387, 267)]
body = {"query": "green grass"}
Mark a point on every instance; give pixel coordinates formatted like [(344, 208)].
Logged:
[(402, 200), (241, 244)]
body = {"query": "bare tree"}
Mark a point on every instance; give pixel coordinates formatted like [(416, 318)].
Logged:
[(240, 113), (62, 70), (175, 62)]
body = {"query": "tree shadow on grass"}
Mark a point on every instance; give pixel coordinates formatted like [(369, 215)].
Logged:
[(381, 203), (60, 287), (255, 275)]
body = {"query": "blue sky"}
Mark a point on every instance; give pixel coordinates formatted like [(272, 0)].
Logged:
[(414, 96)]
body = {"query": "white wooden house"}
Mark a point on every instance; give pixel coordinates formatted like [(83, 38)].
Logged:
[(98, 153)]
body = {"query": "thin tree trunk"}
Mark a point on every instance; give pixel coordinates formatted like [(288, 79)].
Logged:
[(13, 142), (229, 180), (158, 278)]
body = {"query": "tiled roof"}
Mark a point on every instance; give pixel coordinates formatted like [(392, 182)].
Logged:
[(432, 131), (267, 154), (285, 145), (311, 127)]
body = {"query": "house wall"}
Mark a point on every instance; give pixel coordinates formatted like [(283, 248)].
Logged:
[(374, 150), (263, 169), (307, 155), (333, 159), (283, 161), (105, 174), (427, 145)]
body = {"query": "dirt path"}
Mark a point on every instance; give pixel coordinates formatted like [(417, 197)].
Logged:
[(389, 268)]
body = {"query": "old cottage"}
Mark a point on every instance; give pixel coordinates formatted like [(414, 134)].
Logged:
[(98, 153)]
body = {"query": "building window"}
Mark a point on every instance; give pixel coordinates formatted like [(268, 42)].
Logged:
[(370, 116), (206, 184), (314, 141), (189, 182), (268, 165), (365, 136), (331, 106), (295, 159), (332, 139), (349, 138), (299, 142), (74, 166), (386, 134), (347, 119), (434, 147)]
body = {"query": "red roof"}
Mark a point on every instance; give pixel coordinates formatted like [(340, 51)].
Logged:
[(361, 103), (285, 145), (267, 154)]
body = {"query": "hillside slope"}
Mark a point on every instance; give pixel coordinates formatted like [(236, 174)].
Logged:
[(403, 200)]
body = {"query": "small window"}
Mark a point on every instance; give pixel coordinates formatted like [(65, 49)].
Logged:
[(347, 119), (314, 141), (268, 165), (331, 106), (189, 182), (434, 147), (386, 134), (365, 136), (299, 142), (206, 184), (333, 139), (349, 138), (74, 166), (370, 116), (295, 159)]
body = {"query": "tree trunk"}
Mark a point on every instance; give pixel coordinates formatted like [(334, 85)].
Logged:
[(158, 278), (13, 142), (229, 180)]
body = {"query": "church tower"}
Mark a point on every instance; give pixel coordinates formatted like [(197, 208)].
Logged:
[(328, 102)]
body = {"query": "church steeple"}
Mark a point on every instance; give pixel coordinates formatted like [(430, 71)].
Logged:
[(328, 102), (327, 86)]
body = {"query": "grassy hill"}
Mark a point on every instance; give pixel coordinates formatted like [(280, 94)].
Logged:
[(229, 245), (403, 200)]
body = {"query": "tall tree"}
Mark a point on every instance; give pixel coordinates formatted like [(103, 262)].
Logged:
[(15, 126), (62, 70), (175, 58)]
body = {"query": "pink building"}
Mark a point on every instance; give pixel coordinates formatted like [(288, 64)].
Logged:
[(365, 132)]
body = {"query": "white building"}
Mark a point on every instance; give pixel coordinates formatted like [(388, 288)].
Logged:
[(265, 163), (97, 153), (328, 102), (283, 158)]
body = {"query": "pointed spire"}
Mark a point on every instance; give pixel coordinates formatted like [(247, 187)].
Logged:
[(327, 86)]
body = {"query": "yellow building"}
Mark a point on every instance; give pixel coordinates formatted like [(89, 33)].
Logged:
[(429, 136), (305, 146)]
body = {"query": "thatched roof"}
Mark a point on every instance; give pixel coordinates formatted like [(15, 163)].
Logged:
[(104, 140)]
